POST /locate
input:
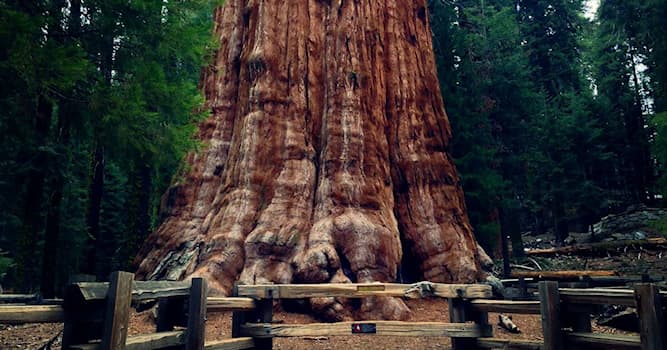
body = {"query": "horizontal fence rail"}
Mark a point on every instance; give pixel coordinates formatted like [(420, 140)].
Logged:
[(173, 339), (606, 340), (31, 314), (17, 314), (141, 290), (506, 306), (359, 290), (215, 304), (393, 328), (497, 343)]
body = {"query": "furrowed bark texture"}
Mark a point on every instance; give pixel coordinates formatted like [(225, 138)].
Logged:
[(326, 156)]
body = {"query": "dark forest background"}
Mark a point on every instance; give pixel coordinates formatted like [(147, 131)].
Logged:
[(558, 120)]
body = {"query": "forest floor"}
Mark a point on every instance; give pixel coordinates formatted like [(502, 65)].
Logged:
[(623, 260), (219, 325)]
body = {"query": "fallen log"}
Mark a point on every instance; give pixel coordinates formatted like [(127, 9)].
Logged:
[(563, 274), (602, 248), (626, 320)]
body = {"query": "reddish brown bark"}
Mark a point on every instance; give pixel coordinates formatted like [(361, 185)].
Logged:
[(326, 155)]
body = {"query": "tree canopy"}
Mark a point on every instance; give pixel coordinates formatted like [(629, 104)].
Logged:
[(557, 119), (98, 106)]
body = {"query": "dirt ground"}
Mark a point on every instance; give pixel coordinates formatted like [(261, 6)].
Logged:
[(219, 325)]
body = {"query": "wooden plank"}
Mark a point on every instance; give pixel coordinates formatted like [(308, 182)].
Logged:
[(196, 334), (394, 328), (18, 298), (508, 306), (651, 317), (497, 343), (598, 296), (604, 340), (156, 340), (216, 304), (231, 344), (117, 314), (31, 314), (141, 290), (550, 310), (563, 274), (359, 290), (512, 281), (144, 341)]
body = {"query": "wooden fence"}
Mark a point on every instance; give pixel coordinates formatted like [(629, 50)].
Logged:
[(96, 315)]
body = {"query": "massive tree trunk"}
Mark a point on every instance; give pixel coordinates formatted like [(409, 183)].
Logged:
[(326, 156)]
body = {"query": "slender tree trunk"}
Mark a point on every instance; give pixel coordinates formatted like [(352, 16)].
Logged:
[(144, 192), (52, 233), (504, 243), (97, 256), (510, 223), (561, 225), (57, 183), (74, 23), (326, 157), (94, 205), (145, 201), (33, 221)]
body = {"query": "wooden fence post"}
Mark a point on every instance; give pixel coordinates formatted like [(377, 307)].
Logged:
[(238, 317), (481, 319), (651, 317), (550, 310), (196, 333), (459, 312), (117, 313), (264, 314)]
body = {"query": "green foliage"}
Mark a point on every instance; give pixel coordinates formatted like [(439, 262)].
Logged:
[(6, 263), (490, 98), (659, 123), (545, 113), (116, 76), (616, 49), (660, 226)]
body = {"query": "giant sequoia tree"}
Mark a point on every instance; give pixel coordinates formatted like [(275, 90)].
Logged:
[(325, 156)]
